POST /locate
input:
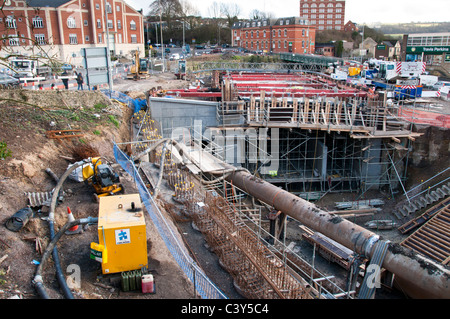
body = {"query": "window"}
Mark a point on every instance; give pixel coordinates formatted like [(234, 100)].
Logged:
[(110, 24), (287, 22), (40, 39), (10, 22), (85, 23), (86, 38), (73, 39), (71, 23), (118, 8), (257, 34), (285, 33), (38, 22), (279, 44), (274, 33), (279, 33), (108, 8), (305, 5), (120, 37), (100, 38), (99, 24), (119, 24), (285, 44), (264, 33), (246, 34), (329, 16), (97, 6), (251, 34), (133, 38), (132, 25), (14, 41), (313, 10)]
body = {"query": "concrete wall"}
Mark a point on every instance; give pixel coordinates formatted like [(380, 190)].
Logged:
[(173, 113)]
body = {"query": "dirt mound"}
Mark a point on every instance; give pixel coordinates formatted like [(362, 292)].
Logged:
[(27, 150)]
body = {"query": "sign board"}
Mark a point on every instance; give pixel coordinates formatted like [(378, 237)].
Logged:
[(96, 64), (428, 50)]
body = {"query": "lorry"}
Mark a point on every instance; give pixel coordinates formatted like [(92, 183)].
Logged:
[(390, 71), (28, 68)]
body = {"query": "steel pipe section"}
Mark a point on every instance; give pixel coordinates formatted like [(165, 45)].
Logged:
[(415, 275)]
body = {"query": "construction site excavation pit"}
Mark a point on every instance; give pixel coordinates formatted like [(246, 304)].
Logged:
[(249, 192)]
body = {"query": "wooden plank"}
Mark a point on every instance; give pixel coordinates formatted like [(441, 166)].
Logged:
[(327, 112), (338, 114), (295, 115), (306, 110)]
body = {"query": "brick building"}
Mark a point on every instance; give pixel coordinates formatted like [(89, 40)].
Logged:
[(324, 14), (63, 27), (274, 35)]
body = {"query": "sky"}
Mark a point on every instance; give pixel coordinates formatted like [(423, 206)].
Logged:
[(358, 11)]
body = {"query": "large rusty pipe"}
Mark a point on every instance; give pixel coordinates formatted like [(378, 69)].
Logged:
[(418, 277)]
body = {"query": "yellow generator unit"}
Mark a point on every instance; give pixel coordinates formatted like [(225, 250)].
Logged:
[(122, 234)]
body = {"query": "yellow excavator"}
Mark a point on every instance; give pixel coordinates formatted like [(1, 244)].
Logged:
[(139, 69)]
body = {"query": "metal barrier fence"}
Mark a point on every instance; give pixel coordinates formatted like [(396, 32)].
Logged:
[(203, 285)]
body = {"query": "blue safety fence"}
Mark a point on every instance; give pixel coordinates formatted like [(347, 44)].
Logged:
[(203, 285), (135, 104)]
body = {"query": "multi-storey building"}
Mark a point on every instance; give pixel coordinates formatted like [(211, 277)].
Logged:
[(324, 14), (61, 28), (274, 35)]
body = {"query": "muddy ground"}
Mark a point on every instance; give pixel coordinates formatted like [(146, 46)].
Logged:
[(26, 116)]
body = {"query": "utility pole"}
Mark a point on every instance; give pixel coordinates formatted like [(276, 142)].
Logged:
[(163, 69), (108, 52)]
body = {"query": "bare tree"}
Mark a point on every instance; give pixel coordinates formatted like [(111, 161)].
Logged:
[(169, 10), (231, 11), (214, 10)]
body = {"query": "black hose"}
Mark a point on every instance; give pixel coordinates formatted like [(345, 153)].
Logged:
[(37, 281), (59, 274)]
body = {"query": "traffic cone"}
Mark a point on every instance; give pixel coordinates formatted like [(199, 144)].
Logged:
[(75, 229)]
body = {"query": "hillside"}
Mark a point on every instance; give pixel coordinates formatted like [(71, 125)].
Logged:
[(413, 27)]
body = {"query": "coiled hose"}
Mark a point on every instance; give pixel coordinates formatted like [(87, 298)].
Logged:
[(37, 281)]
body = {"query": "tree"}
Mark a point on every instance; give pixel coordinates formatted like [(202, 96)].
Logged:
[(231, 11), (169, 10)]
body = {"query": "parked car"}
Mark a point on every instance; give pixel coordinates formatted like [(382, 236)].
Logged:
[(8, 81), (440, 84), (174, 56)]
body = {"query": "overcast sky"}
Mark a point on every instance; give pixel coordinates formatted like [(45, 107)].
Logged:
[(359, 11)]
